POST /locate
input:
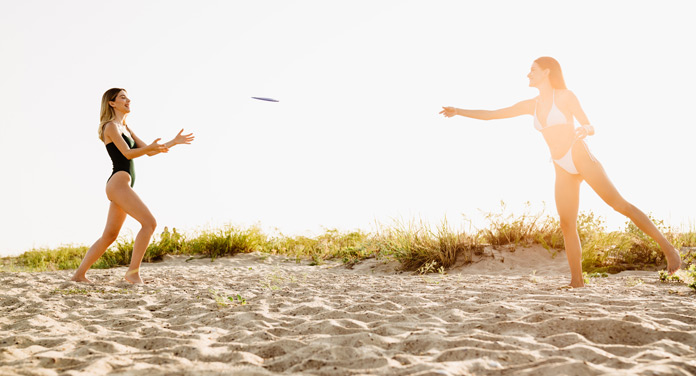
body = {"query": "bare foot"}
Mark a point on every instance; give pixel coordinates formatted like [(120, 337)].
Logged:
[(673, 260), (576, 284), (133, 278), (77, 278)]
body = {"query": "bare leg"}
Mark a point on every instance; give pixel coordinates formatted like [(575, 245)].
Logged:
[(567, 201), (119, 192), (594, 174), (114, 221)]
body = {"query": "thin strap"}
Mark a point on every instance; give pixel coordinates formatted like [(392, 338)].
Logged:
[(553, 98)]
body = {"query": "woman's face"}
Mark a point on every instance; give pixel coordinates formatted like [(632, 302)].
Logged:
[(537, 75), (121, 103)]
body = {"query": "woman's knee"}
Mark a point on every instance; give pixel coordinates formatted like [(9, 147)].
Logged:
[(149, 224), (622, 206), (568, 225), (109, 237)]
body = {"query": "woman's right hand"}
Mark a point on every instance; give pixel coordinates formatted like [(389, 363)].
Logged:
[(157, 148), (448, 111)]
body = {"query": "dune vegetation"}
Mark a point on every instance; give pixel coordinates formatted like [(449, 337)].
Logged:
[(418, 246)]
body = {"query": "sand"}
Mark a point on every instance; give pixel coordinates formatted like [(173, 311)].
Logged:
[(502, 315)]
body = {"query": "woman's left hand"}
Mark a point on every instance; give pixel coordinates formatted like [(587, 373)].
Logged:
[(183, 138), (584, 131)]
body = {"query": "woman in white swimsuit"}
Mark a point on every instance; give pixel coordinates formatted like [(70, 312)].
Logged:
[(553, 111)]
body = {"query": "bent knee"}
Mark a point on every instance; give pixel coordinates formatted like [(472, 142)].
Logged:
[(109, 237), (149, 224)]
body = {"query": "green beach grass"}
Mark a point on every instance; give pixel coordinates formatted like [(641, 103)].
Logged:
[(416, 245)]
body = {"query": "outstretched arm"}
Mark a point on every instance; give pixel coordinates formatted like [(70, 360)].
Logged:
[(521, 108), (180, 139), (140, 143), (112, 133)]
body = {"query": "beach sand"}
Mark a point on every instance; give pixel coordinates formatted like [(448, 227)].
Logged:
[(502, 315)]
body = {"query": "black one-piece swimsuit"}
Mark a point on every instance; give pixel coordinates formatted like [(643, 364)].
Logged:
[(120, 162)]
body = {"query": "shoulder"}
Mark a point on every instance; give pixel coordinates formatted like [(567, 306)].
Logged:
[(110, 127), (528, 103), (110, 131), (566, 97), (566, 94)]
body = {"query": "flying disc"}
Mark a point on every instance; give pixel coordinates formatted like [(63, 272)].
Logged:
[(265, 99)]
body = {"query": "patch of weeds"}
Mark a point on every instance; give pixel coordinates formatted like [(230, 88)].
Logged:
[(167, 243), (586, 277), (525, 229), (428, 267), (633, 281), (227, 241), (238, 298), (316, 260), (686, 276), (223, 301), (429, 280), (63, 257), (273, 281), (419, 247), (10, 265), (218, 299), (666, 277)]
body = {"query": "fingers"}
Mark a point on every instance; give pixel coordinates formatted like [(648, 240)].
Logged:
[(180, 132), (446, 111)]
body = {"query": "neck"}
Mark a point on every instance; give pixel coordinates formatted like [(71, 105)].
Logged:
[(545, 89), (119, 117)]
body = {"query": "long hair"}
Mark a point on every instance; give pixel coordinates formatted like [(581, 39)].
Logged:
[(555, 73), (107, 113)]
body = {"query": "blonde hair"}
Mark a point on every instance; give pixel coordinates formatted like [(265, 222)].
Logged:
[(107, 113)]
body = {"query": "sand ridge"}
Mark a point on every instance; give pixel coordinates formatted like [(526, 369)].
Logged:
[(481, 319)]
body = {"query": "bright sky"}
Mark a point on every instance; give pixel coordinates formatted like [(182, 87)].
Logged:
[(356, 137)]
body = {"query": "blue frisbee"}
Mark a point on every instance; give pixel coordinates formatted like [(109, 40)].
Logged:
[(265, 99)]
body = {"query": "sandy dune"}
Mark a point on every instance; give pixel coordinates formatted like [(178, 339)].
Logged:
[(503, 315)]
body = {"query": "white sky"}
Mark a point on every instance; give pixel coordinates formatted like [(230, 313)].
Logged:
[(356, 137)]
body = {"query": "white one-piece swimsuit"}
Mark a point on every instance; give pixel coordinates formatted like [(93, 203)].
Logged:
[(556, 117)]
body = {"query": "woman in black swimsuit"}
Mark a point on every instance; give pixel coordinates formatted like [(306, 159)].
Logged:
[(123, 146)]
